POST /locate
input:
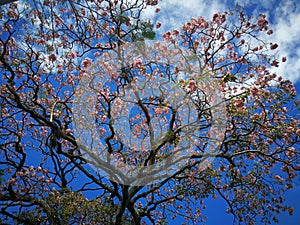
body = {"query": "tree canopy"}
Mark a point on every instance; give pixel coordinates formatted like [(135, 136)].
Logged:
[(105, 120)]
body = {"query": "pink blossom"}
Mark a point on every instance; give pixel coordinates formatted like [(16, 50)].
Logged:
[(158, 25), (230, 46), (279, 178), (284, 110), (32, 175), (102, 131), (216, 17), (275, 63), (137, 63), (41, 41), (158, 111), (52, 57), (239, 103), (49, 181), (225, 187), (214, 196), (87, 62), (152, 2), (273, 46), (242, 42), (96, 54), (192, 86), (167, 37), (262, 22), (41, 178), (176, 32), (71, 55)]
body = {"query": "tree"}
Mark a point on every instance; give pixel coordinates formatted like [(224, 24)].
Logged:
[(3, 2), (195, 115)]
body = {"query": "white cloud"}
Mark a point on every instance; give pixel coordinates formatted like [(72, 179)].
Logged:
[(284, 19), (286, 34), (174, 13)]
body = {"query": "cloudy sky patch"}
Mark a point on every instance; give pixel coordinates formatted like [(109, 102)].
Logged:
[(284, 17)]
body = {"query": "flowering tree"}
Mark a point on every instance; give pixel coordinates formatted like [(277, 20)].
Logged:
[(103, 123), (3, 2)]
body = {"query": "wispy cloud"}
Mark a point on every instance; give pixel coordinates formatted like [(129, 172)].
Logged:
[(284, 19), (174, 13), (287, 35)]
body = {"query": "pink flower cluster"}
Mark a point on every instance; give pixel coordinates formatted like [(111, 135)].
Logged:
[(87, 62), (192, 86), (219, 18), (262, 22)]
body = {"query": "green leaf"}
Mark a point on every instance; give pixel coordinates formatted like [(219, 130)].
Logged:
[(149, 34)]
